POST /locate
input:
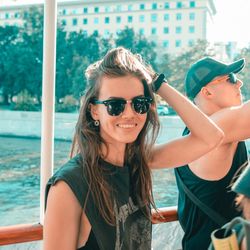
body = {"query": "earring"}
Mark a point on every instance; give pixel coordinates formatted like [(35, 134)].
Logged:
[(96, 123)]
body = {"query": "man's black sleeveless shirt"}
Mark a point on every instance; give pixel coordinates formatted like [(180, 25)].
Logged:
[(197, 225), (133, 228)]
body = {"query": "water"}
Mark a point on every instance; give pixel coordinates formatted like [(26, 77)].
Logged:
[(20, 179)]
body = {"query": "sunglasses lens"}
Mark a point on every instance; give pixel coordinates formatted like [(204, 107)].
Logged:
[(233, 78), (115, 107), (141, 105)]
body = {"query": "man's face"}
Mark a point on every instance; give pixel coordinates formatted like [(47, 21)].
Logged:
[(225, 91)]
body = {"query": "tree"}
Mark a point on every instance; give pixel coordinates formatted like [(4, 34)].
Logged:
[(9, 36), (177, 66), (77, 75), (64, 56), (245, 74), (33, 42), (137, 44)]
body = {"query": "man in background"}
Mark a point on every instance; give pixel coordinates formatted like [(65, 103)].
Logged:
[(216, 90)]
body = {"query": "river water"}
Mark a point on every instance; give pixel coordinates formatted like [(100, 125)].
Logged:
[(20, 181)]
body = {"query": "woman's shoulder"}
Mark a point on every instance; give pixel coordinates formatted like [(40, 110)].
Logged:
[(73, 175), (71, 169)]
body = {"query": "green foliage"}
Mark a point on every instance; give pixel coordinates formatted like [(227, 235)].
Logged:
[(175, 67), (9, 37), (137, 44), (244, 75), (21, 57), (24, 101), (67, 104)]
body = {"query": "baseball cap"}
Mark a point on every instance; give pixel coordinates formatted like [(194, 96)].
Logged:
[(205, 70), (242, 185)]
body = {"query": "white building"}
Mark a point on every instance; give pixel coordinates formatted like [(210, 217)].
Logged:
[(173, 24)]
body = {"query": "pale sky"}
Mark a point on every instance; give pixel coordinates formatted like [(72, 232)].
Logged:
[(231, 22)]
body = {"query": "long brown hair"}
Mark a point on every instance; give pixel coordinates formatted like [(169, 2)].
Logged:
[(87, 140)]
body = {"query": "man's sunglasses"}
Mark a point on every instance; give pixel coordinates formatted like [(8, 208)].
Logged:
[(116, 106), (231, 77)]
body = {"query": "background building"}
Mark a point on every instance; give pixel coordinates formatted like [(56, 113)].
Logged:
[(174, 25)]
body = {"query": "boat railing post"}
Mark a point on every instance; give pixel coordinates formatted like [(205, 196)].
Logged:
[(48, 98)]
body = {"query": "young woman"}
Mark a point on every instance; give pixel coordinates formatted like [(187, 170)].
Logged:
[(242, 188), (101, 198)]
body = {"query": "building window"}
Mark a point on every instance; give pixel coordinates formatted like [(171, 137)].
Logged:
[(142, 6), (166, 17), (95, 33), (165, 44), (154, 6), (96, 20), (85, 10), (178, 43), (190, 42), (107, 9), (85, 21), (141, 18), (119, 8), (141, 31), (192, 16), (179, 5), (178, 16), (153, 31), (64, 12), (165, 30), (130, 7), (17, 15), (178, 30), (106, 20), (74, 21), (192, 4), (153, 18), (191, 29), (96, 9), (64, 22), (118, 19), (166, 5), (130, 19), (74, 12)]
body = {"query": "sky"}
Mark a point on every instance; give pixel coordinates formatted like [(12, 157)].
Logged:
[(230, 23)]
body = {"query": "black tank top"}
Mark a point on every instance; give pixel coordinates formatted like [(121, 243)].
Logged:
[(91, 244), (198, 226), (133, 228)]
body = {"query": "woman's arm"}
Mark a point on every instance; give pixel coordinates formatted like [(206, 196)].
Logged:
[(62, 219), (204, 133)]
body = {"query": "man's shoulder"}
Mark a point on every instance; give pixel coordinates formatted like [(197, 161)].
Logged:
[(216, 164)]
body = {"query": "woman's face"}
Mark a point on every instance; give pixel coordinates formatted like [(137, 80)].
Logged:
[(125, 127)]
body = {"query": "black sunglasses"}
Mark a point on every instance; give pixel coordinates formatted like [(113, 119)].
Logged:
[(232, 78), (116, 106)]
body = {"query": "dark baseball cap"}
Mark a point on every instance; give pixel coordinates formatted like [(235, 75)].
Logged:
[(242, 185), (205, 70)]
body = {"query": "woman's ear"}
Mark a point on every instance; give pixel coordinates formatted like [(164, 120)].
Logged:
[(93, 111)]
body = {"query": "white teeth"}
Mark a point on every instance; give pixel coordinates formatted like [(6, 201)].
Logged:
[(126, 125)]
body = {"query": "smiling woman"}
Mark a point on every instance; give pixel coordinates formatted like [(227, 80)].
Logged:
[(106, 187)]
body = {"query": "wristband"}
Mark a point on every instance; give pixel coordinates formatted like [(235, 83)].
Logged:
[(158, 82)]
